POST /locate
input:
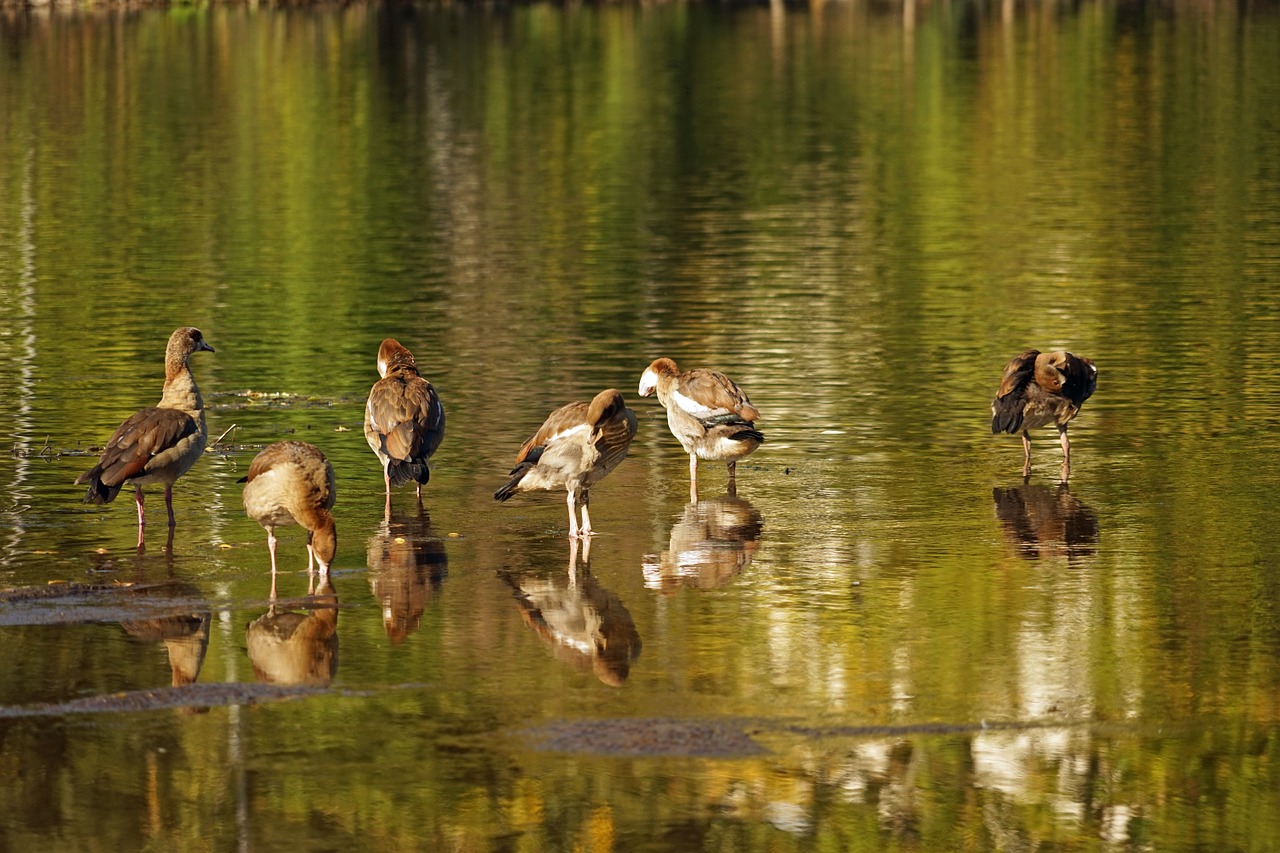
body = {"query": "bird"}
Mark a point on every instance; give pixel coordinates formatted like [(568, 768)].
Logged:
[(160, 443), (1042, 388), (403, 420), (291, 482), (708, 413), (574, 449)]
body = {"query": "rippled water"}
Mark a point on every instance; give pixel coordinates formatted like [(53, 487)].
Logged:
[(885, 639)]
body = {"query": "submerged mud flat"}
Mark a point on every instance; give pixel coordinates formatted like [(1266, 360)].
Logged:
[(63, 602)]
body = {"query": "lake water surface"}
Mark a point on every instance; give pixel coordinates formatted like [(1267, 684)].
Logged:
[(885, 640)]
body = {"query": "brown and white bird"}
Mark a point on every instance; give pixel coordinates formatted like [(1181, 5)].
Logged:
[(708, 414), (160, 443), (403, 420), (291, 482), (574, 449), (1042, 388)]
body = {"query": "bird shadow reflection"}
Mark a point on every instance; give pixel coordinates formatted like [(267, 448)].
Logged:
[(407, 568), (712, 541), (1046, 521), (290, 646), (582, 622)]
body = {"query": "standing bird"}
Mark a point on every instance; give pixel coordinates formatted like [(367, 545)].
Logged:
[(574, 449), (291, 482), (403, 421), (708, 414), (157, 444), (1042, 388)]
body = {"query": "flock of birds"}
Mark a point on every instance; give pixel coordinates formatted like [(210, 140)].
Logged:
[(292, 482)]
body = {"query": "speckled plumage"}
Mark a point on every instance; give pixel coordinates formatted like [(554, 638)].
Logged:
[(576, 447), (403, 419), (160, 443), (707, 412), (1039, 389), (291, 482)]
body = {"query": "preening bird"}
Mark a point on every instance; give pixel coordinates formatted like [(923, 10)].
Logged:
[(403, 420), (160, 443), (708, 414), (1042, 388), (574, 449), (291, 482)]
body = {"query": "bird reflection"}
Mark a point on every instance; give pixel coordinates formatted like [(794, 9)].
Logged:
[(297, 648), (584, 623), (1046, 521), (185, 635), (407, 567), (714, 540)]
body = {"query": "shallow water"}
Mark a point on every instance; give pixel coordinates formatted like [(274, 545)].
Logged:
[(886, 639)]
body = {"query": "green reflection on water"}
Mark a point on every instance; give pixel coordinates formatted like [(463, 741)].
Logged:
[(859, 219)]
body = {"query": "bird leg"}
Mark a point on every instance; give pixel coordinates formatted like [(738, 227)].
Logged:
[(142, 516), (732, 487), (1026, 450), (1066, 452), (586, 516), (693, 478), (271, 546), (573, 515), (168, 503)]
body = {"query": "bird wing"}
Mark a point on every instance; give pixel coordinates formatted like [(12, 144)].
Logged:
[(1017, 373), (404, 417), (133, 447), (1081, 378), (567, 423), (613, 439), (711, 396)]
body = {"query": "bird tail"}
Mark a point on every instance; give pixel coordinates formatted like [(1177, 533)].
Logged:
[(748, 435), (408, 470), (1006, 415), (513, 485), (99, 492)]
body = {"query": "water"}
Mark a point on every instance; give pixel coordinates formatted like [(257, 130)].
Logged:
[(886, 640)]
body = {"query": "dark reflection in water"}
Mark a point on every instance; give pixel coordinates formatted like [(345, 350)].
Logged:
[(297, 647), (712, 541), (583, 623), (407, 567), (185, 635), (1046, 521)]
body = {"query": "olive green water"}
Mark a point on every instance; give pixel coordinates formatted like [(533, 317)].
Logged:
[(886, 641)]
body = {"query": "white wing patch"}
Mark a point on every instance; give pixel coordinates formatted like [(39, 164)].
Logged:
[(564, 434), (693, 407)]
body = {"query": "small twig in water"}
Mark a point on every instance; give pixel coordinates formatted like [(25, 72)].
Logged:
[(218, 440)]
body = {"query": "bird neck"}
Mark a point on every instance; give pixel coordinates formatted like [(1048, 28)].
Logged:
[(180, 390)]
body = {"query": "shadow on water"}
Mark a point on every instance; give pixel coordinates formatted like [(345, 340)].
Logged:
[(407, 567), (712, 541), (584, 623), (1046, 521)]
